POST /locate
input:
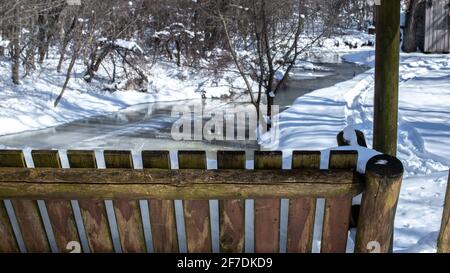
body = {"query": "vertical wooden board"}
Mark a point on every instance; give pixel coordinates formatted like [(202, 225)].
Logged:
[(8, 243), (156, 160), (12, 159), (128, 216), (445, 24), (429, 31), (196, 212), (267, 211), (306, 160), (302, 210), (435, 30), (447, 31), (232, 212), (438, 13), (443, 15), (446, 14), (59, 211), (337, 210), (93, 212), (26, 211), (427, 27), (162, 212)]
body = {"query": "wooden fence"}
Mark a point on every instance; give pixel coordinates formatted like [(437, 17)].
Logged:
[(437, 26), (444, 235), (159, 186)]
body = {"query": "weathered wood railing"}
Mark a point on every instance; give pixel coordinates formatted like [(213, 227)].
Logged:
[(231, 184), (444, 235)]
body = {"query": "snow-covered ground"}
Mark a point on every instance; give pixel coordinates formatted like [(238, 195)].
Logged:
[(424, 136)]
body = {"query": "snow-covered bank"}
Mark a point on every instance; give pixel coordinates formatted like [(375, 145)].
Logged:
[(29, 106), (424, 135)]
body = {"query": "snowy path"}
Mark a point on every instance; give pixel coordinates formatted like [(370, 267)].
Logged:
[(424, 136)]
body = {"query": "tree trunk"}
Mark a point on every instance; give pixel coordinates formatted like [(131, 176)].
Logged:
[(409, 40), (69, 70), (96, 61), (47, 22), (177, 44), (270, 101), (3, 34), (67, 38), (15, 60), (41, 37)]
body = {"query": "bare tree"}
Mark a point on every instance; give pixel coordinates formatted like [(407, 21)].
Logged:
[(15, 33), (275, 30)]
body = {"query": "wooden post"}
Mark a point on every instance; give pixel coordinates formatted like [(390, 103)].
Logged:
[(444, 236), (384, 175), (386, 77)]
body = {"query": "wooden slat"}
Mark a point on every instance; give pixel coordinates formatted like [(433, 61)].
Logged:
[(427, 25), (302, 210), (128, 216), (429, 29), (267, 211), (76, 184), (232, 212), (8, 243), (196, 212), (437, 20), (26, 211), (59, 211), (162, 212), (429, 33), (337, 210), (446, 11), (93, 212)]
